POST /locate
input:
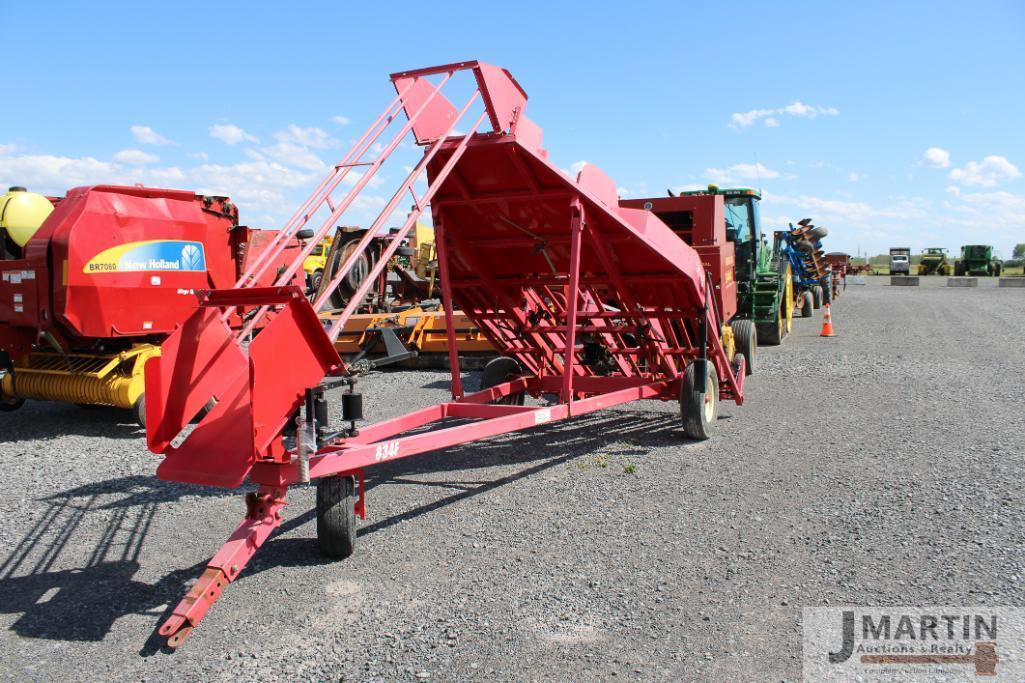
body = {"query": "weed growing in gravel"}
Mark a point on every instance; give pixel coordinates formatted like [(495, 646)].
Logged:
[(631, 468)]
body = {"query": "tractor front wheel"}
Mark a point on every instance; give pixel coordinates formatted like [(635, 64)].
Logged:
[(746, 341), (336, 516), (699, 410)]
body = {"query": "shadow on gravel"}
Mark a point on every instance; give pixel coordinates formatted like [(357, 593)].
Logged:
[(45, 419), (82, 604)]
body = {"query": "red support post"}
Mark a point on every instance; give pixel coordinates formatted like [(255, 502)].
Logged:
[(446, 302), (576, 226)]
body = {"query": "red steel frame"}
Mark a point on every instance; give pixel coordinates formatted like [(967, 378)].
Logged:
[(619, 281)]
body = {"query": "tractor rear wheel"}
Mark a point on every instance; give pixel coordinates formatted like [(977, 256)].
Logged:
[(746, 341), (807, 305), (500, 370), (336, 516), (771, 334), (699, 410), (817, 296)]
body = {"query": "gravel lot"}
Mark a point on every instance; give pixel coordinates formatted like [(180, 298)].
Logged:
[(883, 466)]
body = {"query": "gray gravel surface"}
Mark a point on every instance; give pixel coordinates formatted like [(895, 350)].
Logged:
[(883, 466)]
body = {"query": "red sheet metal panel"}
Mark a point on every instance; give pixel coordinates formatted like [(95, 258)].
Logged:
[(506, 212)]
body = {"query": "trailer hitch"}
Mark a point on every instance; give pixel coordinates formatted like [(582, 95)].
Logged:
[(263, 515)]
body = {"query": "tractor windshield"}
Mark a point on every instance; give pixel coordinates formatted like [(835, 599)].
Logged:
[(738, 217)]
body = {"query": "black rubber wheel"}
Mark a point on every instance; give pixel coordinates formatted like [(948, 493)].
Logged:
[(738, 357), (405, 251), (9, 405), (816, 292), (699, 410), (807, 305), (771, 334), (746, 341), (336, 516), (315, 280), (139, 409), (499, 370), (352, 281)]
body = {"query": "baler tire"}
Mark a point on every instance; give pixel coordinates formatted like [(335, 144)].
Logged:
[(817, 294), (807, 305), (139, 410), (746, 341), (336, 516), (499, 370), (9, 405), (699, 411)]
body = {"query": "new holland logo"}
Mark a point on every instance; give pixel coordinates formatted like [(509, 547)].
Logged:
[(151, 255)]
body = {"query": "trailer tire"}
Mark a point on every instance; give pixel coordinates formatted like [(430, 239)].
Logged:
[(336, 516), (499, 370), (807, 305), (817, 296), (699, 410), (746, 341), (139, 410)]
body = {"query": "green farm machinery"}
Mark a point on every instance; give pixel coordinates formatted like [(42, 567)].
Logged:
[(764, 277), (978, 259)]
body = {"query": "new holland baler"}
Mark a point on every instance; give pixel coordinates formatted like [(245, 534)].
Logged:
[(93, 282)]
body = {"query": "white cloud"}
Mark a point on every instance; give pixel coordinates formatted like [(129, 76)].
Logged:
[(148, 136), (855, 177), (576, 167), (770, 117), (135, 157), (986, 173), (936, 158), (739, 172), (341, 120), (291, 154), (230, 134), (309, 137)]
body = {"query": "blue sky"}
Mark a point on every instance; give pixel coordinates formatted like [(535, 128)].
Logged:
[(890, 123)]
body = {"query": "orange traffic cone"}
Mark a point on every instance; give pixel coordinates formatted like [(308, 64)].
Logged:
[(827, 324)]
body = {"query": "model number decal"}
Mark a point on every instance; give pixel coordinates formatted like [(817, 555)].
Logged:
[(386, 451)]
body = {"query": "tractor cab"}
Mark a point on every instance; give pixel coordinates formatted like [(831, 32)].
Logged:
[(744, 229)]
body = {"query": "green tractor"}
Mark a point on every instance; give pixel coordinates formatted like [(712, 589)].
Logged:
[(764, 278), (934, 262), (978, 259)]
